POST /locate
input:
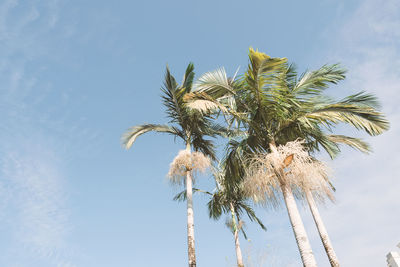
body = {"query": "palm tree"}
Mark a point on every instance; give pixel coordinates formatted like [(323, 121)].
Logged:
[(190, 126), (276, 106), (228, 198), (231, 198), (288, 167)]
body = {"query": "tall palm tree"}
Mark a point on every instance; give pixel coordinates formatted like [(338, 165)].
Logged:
[(191, 126), (276, 106)]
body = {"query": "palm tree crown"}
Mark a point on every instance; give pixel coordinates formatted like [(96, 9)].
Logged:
[(188, 124)]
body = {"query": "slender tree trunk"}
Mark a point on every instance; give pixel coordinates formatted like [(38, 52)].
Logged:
[(190, 218), (239, 257), (322, 231), (299, 231), (306, 253)]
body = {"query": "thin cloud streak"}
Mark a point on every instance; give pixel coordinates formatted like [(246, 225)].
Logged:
[(38, 205), (34, 204), (364, 223)]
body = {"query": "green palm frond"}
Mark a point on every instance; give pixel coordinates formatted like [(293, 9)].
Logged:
[(216, 206), (188, 78), (261, 79), (129, 137), (181, 196), (365, 118), (252, 215), (362, 99), (215, 83), (205, 146), (314, 82), (317, 139), (359, 110), (172, 98), (203, 102), (262, 64), (227, 132), (353, 142)]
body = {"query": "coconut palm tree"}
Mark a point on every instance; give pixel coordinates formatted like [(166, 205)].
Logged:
[(189, 125), (274, 105)]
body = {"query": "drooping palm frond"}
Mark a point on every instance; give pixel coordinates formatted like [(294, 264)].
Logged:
[(365, 118), (362, 99), (181, 196), (129, 137), (204, 145), (252, 215), (221, 202), (316, 139), (203, 102), (216, 206), (353, 142)]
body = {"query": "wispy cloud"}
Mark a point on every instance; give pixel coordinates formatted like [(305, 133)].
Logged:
[(37, 207), (34, 213), (364, 224)]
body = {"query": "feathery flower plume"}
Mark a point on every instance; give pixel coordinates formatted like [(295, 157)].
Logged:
[(186, 161), (291, 165)]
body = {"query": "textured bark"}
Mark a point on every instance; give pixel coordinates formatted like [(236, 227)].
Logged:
[(190, 218), (306, 253), (299, 231), (239, 257), (322, 231)]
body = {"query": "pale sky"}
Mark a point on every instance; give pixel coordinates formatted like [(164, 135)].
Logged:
[(74, 75)]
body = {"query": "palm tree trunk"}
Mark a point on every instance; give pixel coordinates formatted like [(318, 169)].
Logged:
[(236, 234), (299, 231), (322, 231), (306, 253), (190, 218)]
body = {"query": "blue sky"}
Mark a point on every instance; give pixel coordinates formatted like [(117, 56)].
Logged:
[(74, 75)]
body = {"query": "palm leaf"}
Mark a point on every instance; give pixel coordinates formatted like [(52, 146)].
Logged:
[(129, 137), (181, 196), (353, 142), (252, 215), (188, 78), (215, 83), (368, 119), (171, 97), (314, 82)]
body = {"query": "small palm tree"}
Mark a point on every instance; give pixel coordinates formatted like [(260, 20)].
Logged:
[(191, 126), (231, 198), (228, 198)]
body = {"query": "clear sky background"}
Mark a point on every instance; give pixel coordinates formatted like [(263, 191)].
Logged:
[(74, 75)]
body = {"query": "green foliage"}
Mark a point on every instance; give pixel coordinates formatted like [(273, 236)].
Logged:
[(272, 103), (188, 124), (229, 198)]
